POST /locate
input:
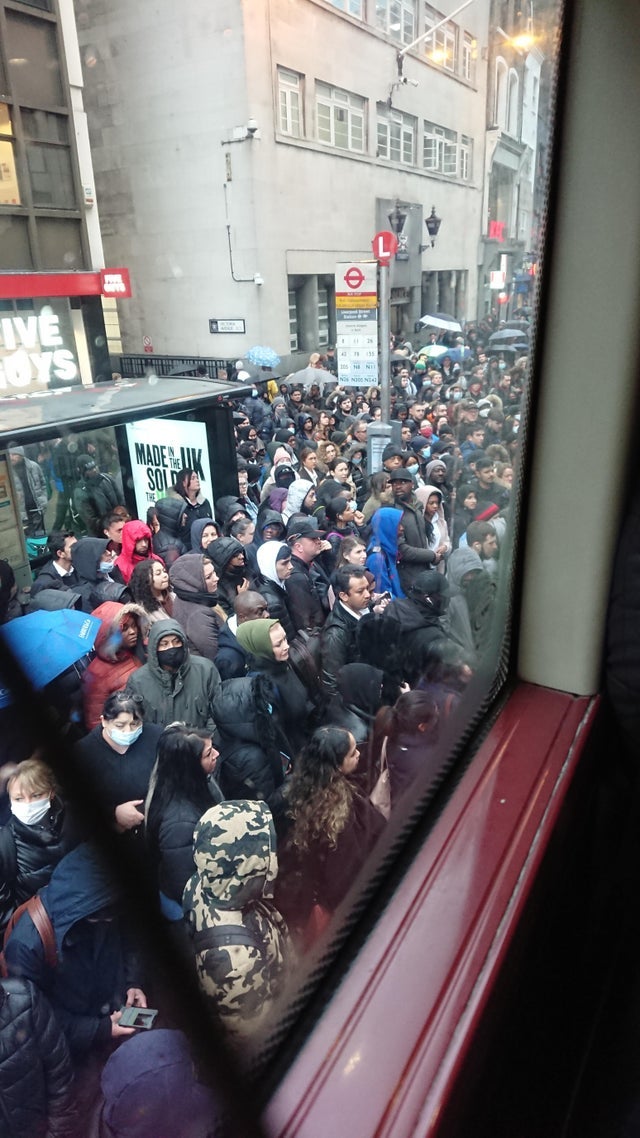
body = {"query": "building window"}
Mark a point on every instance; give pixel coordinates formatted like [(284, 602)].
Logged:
[(397, 18), (352, 7), (500, 99), (469, 51), (440, 149), (441, 46), (9, 189), (466, 157), (293, 320), (396, 136), (512, 104), (290, 102), (340, 118), (49, 159), (323, 317)]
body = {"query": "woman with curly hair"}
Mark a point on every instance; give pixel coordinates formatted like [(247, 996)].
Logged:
[(149, 587), (331, 828)]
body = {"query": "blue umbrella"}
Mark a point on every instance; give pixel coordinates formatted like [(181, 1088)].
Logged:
[(46, 642), (263, 357)]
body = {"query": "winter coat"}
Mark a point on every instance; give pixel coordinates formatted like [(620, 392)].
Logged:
[(112, 664), (221, 553), (188, 695), (36, 483), (194, 608), (382, 551), (94, 969), (94, 499), (296, 495), (36, 1075), (339, 642), (410, 754), (49, 578), (169, 541), (250, 764), (193, 511), (197, 530), (149, 1089), (128, 558), (291, 705), (416, 627), (171, 844), (29, 855), (413, 546), (268, 517), (472, 603), (95, 587), (232, 890), (305, 597), (231, 659)]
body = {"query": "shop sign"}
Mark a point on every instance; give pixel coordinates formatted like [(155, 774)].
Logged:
[(32, 352), (158, 449), (115, 282)]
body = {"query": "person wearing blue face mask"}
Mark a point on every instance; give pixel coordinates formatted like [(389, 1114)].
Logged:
[(118, 756)]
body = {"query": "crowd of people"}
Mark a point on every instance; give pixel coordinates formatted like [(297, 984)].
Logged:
[(267, 687)]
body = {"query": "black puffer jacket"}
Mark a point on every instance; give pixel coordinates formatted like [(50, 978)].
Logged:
[(250, 763), (36, 1076), (168, 542), (29, 855), (276, 599), (171, 839)]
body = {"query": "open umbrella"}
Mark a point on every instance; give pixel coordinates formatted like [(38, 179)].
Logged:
[(506, 336), (441, 320), (46, 642), (308, 375), (263, 357), (435, 351), (521, 325)]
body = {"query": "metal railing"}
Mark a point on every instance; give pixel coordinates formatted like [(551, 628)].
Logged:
[(137, 366)]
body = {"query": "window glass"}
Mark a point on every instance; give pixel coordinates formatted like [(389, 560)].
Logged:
[(340, 118), (34, 65), (9, 189), (398, 18), (14, 240), (290, 102), (60, 243), (353, 7)]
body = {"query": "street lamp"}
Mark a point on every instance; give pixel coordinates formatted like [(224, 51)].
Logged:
[(397, 219), (433, 223)]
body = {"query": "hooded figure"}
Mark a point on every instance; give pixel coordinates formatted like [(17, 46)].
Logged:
[(127, 559), (96, 495), (169, 541), (382, 551), (197, 609), (473, 594), (240, 940), (435, 525), (230, 577), (296, 494), (115, 657), (268, 517), (291, 705), (94, 970), (271, 586), (184, 693), (415, 623), (149, 1088), (197, 530), (95, 585)]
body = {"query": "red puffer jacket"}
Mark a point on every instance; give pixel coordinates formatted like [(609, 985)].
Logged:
[(112, 664)]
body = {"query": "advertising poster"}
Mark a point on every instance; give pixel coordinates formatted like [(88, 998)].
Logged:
[(158, 449), (11, 538)]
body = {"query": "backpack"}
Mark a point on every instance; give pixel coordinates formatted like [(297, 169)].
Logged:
[(43, 926)]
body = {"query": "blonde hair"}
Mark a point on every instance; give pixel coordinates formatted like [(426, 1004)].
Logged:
[(34, 777)]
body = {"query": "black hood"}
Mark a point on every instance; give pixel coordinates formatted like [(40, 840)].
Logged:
[(170, 512), (86, 554), (221, 552)]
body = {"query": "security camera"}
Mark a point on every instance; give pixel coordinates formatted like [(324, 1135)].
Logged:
[(258, 279), (252, 127)]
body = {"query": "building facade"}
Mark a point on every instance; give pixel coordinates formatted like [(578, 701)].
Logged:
[(243, 148)]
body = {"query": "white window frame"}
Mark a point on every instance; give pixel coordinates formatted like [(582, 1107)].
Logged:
[(351, 7), (465, 158), (500, 93), (442, 45), (398, 18), (513, 94), (323, 317), (396, 135), (468, 57), (340, 107), (440, 150), (290, 102)]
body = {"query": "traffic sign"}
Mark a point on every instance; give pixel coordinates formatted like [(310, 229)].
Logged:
[(354, 277), (384, 246)]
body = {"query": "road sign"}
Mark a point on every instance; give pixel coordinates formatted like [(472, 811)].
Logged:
[(354, 277), (216, 326), (146, 343), (384, 246), (357, 322)]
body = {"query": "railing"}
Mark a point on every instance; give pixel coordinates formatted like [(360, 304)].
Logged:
[(137, 366)]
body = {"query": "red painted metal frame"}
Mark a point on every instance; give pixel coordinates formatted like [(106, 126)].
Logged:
[(27, 286), (384, 1058)]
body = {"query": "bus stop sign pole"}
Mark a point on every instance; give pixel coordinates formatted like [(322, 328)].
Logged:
[(384, 246)]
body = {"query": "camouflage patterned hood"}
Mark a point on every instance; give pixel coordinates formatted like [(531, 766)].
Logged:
[(235, 856)]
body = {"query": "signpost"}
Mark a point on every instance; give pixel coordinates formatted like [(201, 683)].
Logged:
[(384, 246), (216, 326), (357, 323)]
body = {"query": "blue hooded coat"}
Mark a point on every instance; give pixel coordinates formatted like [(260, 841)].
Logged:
[(382, 551)]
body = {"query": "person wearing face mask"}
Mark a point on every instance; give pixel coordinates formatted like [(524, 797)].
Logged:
[(38, 834), (175, 685), (195, 583), (118, 755), (94, 562)]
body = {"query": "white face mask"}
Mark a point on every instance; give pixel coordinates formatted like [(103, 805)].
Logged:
[(29, 813)]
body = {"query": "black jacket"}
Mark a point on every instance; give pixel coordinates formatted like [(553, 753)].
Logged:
[(413, 629), (414, 554), (94, 499), (305, 597), (231, 659), (94, 587), (171, 843), (36, 1076), (339, 643), (94, 968), (29, 855), (250, 765), (49, 578), (278, 603)]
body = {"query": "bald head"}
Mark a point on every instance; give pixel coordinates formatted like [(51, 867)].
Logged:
[(250, 606)]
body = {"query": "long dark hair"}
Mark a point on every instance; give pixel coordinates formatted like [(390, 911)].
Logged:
[(140, 586), (179, 773), (183, 476), (319, 795)]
